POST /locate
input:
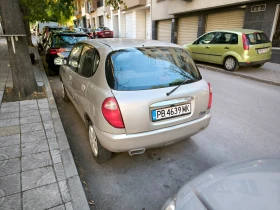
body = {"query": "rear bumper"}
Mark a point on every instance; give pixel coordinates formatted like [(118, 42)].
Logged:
[(252, 63), (151, 139)]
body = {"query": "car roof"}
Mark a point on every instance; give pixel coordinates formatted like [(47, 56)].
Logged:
[(67, 32), (122, 43), (239, 30), (56, 27)]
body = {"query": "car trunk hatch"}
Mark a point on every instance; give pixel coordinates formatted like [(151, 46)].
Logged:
[(149, 110), (140, 79), (260, 45)]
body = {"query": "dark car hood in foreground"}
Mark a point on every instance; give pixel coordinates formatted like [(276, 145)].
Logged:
[(248, 185)]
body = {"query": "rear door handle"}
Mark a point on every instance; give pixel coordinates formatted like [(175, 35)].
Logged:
[(207, 47), (226, 48), (83, 87), (70, 77)]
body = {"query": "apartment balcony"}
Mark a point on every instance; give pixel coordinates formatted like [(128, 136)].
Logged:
[(93, 5), (135, 3)]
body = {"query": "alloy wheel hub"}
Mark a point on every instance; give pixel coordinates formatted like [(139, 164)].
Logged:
[(230, 63)]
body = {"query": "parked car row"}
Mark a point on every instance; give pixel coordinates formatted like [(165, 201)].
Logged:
[(57, 41), (114, 83)]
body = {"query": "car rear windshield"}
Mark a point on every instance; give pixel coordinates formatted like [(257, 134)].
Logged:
[(149, 68), (257, 38), (103, 28), (66, 40)]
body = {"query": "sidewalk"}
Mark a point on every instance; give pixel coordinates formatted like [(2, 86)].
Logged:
[(37, 170), (269, 73)]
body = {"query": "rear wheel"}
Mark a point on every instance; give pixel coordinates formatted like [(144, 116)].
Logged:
[(257, 65), (64, 94), (99, 152), (231, 64)]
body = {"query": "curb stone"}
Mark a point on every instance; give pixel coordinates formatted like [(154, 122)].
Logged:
[(78, 198), (211, 68)]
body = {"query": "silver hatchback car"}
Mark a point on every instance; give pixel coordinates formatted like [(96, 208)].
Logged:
[(135, 94)]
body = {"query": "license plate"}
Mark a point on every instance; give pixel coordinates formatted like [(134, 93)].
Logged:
[(174, 111), (107, 32), (264, 50)]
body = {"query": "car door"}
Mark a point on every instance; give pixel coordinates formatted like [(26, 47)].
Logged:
[(220, 45), (81, 79), (200, 48), (68, 71)]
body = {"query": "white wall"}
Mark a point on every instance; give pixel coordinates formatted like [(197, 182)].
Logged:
[(182, 6), (159, 10)]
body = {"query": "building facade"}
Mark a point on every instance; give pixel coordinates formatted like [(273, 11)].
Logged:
[(133, 22), (91, 14), (182, 21)]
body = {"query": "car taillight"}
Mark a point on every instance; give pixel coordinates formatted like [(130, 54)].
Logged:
[(112, 112), (245, 42), (58, 50), (210, 96)]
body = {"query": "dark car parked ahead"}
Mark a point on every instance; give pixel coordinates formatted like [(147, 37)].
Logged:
[(103, 32), (84, 30), (58, 42), (43, 37)]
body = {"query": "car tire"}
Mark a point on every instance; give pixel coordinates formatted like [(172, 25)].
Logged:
[(257, 65), (231, 64), (50, 68), (99, 152), (65, 94)]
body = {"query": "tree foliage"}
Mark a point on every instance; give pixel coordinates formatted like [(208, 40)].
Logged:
[(116, 4), (48, 10)]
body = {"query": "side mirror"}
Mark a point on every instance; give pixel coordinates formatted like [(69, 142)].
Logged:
[(59, 61)]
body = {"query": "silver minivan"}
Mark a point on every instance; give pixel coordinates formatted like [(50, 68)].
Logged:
[(135, 94)]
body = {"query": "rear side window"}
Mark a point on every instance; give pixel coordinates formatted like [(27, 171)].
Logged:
[(66, 40), (257, 38), (88, 62), (225, 38), (73, 59), (149, 68)]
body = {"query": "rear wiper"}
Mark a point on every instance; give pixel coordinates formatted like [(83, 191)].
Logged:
[(185, 81)]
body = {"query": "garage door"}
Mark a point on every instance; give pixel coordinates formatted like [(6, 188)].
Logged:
[(225, 20), (164, 30), (187, 30), (128, 25), (148, 25)]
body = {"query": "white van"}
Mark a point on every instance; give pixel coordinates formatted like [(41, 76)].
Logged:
[(40, 26)]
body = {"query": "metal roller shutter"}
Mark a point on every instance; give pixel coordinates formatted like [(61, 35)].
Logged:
[(164, 30), (187, 29), (225, 20)]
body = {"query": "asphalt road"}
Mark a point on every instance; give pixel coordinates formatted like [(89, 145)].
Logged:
[(245, 124)]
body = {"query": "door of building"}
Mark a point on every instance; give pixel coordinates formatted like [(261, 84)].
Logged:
[(187, 30), (148, 25), (225, 20), (164, 30), (128, 25)]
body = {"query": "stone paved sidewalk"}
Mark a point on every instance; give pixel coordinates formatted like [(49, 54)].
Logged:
[(269, 73), (37, 170)]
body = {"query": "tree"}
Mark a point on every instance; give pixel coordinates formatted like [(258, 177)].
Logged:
[(15, 15), (24, 82)]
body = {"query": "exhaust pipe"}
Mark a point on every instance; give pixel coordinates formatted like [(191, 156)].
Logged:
[(136, 151)]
